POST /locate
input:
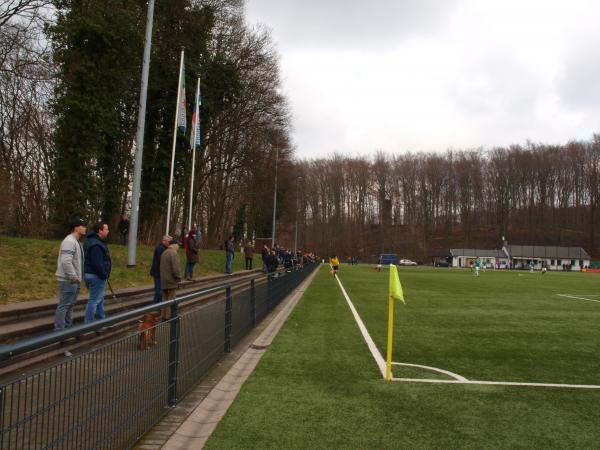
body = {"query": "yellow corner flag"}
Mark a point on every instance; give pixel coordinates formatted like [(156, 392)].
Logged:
[(396, 293), (395, 286)]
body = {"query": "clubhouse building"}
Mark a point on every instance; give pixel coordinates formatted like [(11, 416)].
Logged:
[(522, 256)]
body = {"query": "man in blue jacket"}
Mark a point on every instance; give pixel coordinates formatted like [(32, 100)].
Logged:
[(97, 267)]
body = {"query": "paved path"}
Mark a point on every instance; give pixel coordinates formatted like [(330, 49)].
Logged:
[(193, 420)]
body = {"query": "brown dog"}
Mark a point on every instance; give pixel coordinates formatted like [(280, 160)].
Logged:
[(147, 330)]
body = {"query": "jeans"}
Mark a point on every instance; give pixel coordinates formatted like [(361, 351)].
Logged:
[(228, 262), (95, 304), (68, 296), (189, 268), (157, 291)]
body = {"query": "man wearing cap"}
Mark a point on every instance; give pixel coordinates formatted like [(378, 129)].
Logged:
[(155, 269), (96, 270), (69, 273)]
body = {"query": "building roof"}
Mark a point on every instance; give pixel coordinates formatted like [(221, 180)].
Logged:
[(540, 251), (475, 252)]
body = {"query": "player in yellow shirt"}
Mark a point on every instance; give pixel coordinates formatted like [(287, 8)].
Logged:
[(335, 265)]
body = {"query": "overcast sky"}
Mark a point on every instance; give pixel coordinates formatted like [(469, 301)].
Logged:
[(429, 75)]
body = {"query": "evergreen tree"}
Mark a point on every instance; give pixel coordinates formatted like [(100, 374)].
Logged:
[(98, 48)]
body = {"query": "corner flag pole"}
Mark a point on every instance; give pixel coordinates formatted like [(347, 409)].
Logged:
[(388, 362), (396, 293)]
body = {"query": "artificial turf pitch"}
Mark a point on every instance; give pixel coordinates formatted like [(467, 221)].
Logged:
[(318, 386)]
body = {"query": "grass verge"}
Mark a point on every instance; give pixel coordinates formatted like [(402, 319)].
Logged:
[(28, 267)]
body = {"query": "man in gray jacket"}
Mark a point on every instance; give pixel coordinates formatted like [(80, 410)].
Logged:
[(170, 276), (69, 273)]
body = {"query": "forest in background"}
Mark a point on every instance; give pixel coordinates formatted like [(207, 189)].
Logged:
[(69, 88)]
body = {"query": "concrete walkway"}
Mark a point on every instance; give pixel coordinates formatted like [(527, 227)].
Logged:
[(192, 421)]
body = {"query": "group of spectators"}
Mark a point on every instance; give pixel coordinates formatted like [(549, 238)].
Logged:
[(91, 263)]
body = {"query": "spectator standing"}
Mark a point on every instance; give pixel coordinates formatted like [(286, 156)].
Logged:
[(264, 253), (271, 262), (155, 269), (69, 273), (229, 254), (248, 255), (184, 238), (97, 269), (191, 254), (123, 230), (170, 275)]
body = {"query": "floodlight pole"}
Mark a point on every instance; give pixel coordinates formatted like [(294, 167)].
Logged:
[(296, 234), (274, 199), (139, 143)]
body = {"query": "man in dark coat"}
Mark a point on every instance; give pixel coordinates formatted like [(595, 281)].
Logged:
[(97, 268), (191, 254), (155, 269), (272, 262), (249, 255), (123, 230)]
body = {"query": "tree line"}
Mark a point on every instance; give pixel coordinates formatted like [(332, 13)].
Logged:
[(419, 204)]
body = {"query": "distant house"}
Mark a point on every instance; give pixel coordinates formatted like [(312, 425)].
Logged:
[(553, 258), (464, 257)]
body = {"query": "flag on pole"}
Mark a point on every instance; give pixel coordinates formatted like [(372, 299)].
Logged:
[(195, 133), (395, 294), (395, 286), (182, 103)]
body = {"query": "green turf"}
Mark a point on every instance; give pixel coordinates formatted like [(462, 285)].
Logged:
[(28, 267), (317, 386)]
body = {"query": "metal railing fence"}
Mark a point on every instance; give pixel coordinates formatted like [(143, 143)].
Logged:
[(110, 396)]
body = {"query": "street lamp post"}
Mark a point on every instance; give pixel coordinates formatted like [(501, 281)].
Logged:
[(139, 142), (296, 233)]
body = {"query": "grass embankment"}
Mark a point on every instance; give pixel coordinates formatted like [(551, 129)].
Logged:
[(28, 266), (317, 386)]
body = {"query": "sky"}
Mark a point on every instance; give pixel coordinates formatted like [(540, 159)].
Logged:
[(431, 75)]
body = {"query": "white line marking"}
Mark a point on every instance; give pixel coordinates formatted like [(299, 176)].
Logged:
[(381, 362), (500, 383), (367, 337), (578, 298), (435, 369)]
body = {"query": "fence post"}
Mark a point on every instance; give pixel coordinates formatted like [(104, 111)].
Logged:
[(269, 294), (253, 303), (173, 354), (228, 308)]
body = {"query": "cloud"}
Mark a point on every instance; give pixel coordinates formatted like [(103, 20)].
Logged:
[(343, 25), (434, 75)]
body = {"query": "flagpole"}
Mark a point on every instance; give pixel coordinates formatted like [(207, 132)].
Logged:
[(388, 364), (195, 128), (174, 143)]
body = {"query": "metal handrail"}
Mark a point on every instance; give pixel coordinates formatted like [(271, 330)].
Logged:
[(8, 351)]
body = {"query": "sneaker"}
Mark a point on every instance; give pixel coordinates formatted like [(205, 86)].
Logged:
[(68, 354)]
